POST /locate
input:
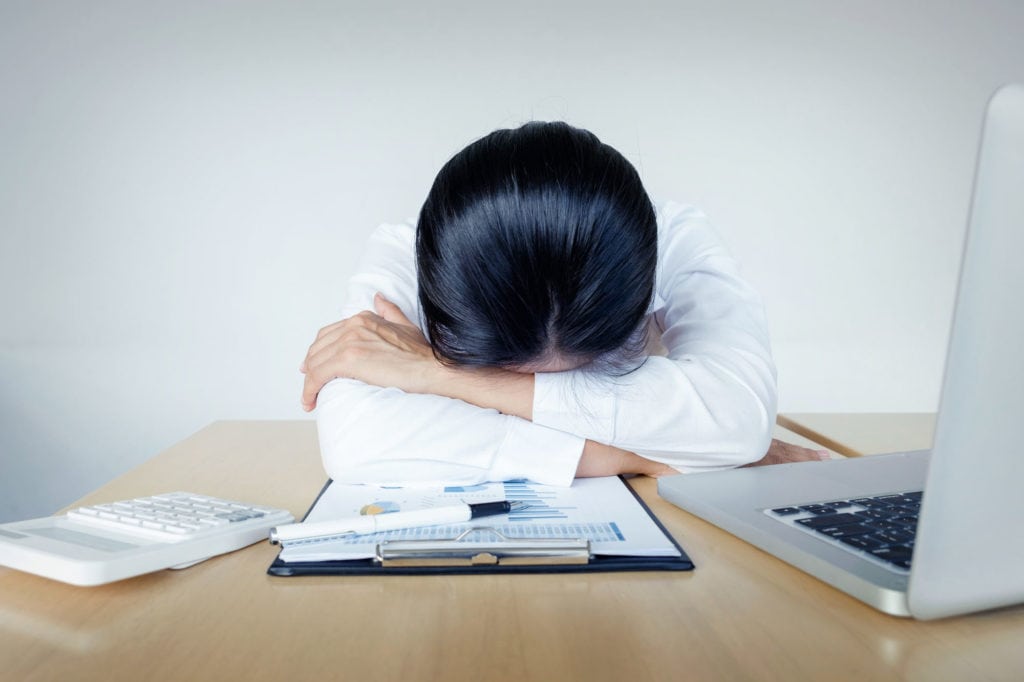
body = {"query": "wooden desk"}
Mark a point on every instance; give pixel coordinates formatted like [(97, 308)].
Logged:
[(742, 615), (859, 434)]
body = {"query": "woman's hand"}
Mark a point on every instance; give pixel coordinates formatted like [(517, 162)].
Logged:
[(382, 348), (386, 349), (780, 452)]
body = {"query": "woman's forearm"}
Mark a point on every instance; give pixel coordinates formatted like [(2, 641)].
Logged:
[(502, 390), (379, 436), (512, 393), (606, 460)]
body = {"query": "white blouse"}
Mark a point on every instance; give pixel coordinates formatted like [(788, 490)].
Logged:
[(708, 404)]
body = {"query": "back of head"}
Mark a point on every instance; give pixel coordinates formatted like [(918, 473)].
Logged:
[(535, 244)]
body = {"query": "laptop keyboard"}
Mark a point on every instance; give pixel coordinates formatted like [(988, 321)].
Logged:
[(881, 527)]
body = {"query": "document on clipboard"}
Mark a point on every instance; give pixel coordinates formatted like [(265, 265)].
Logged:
[(596, 524)]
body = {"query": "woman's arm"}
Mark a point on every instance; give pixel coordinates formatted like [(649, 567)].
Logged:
[(379, 435), (607, 460), (709, 404), (374, 434)]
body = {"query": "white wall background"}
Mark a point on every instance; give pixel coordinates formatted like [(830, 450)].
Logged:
[(185, 186)]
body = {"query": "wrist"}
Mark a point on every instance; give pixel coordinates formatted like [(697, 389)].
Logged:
[(599, 459), (502, 390), (437, 377)]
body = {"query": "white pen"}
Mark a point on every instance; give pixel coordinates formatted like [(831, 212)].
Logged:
[(375, 523)]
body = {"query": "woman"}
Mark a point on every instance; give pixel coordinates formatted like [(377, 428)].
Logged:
[(511, 330)]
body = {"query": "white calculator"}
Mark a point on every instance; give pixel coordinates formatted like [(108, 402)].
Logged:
[(106, 542)]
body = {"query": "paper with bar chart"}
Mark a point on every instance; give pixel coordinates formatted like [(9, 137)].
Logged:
[(602, 510)]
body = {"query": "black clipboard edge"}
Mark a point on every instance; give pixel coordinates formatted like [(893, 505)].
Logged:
[(598, 563)]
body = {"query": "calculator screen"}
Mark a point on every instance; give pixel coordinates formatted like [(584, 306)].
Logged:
[(83, 539)]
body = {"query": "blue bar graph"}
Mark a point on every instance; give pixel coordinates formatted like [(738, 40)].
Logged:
[(538, 507)]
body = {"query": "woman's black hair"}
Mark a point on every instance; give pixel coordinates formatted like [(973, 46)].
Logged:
[(535, 243)]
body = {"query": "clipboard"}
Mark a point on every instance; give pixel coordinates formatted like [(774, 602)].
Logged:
[(499, 554)]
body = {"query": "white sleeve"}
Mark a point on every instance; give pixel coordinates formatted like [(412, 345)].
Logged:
[(379, 435), (711, 402)]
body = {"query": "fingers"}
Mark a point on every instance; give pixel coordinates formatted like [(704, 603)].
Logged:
[(318, 376), (334, 347), (329, 329), (781, 452), (337, 332), (335, 351), (331, 363), (389, 311), (386, 310), (310, 391), (318, 373)]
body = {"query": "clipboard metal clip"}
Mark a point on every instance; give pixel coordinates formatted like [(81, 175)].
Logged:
[(503, 550)]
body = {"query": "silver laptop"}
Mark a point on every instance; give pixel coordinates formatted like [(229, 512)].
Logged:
[(862, 524)]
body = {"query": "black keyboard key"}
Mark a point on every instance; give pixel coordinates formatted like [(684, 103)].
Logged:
[(892, 553), (899, 556), (818, 509), (885, 524), (864, 541), (840, 504), (873, 514), (786, 511), (895, 537), (845, 530), (913, 496), (872, 503), (829, 520), (909, 520)]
